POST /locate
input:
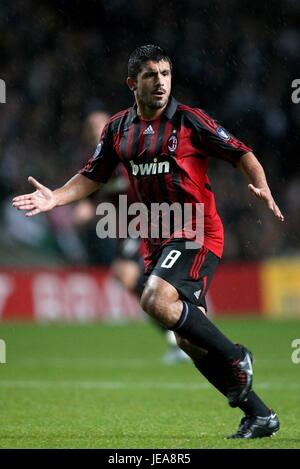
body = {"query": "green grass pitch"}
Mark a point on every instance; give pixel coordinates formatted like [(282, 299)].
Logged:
[(104, 386)]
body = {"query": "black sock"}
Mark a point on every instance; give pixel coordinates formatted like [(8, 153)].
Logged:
[(253, 405), (213, 370), (194, 326)]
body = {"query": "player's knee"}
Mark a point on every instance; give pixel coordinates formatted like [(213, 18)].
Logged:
[(151, 302), (158, 304)]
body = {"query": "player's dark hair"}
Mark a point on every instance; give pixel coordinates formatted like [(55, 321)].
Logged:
[(144, 53)]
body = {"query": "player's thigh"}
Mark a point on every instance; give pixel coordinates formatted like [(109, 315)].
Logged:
[(188, 271)]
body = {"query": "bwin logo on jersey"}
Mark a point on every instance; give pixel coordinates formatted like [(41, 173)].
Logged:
[(147, 169)]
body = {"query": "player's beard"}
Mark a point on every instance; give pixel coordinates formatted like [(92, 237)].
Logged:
[(151, 101)]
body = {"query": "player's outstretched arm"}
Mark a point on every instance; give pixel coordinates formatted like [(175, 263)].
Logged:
[(44, 199), (258, 186)]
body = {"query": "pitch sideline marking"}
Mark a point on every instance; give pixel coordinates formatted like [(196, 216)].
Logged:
[(124, 385)]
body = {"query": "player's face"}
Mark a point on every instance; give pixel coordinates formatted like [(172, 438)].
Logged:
[(153, 84)]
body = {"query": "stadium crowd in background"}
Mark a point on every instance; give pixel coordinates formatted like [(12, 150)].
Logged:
[(59, 68)]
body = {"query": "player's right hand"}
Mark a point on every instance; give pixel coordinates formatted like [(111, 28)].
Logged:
[(41, 200)]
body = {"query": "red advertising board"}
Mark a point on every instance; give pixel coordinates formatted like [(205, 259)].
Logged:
[(64, 295), (236, 289), (92, 294)]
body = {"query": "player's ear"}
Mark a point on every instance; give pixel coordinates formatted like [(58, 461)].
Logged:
[(131, 83)]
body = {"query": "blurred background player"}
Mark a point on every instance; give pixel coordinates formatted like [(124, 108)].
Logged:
[(97, 251), (128, 268)]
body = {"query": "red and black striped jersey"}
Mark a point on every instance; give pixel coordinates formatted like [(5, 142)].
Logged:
[(166, 160)]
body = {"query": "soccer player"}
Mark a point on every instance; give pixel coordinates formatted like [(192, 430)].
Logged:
[(165, 147)]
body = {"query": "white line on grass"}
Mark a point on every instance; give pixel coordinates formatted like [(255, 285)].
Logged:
[(126, 385), (91, 362), (101, 385), (100, 362)]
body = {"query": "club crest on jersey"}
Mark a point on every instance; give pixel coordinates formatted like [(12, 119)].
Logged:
[(223, 134), (172, 143)]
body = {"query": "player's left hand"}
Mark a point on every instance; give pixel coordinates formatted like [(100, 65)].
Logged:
[(266, 196)]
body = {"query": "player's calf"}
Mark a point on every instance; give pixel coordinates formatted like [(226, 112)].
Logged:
[(196, 353)]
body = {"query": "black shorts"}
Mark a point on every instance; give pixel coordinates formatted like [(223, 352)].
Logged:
[(190, 271)]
